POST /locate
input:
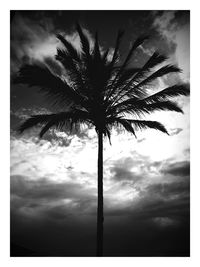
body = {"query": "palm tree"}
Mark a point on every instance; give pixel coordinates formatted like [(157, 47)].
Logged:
[(101, 91)]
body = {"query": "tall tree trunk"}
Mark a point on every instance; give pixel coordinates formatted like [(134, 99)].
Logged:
[(100, 218)]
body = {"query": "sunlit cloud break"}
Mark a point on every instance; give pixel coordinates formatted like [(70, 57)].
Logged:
[(54, 178)]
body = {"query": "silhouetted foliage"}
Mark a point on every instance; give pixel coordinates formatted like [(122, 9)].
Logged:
[(101, 91)]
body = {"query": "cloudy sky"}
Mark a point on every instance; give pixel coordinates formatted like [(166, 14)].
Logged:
[(53, 180)]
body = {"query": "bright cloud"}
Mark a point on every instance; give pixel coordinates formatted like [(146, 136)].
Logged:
[(54, 179)]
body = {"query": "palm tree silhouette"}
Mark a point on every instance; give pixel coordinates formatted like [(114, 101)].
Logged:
[(100, 91)]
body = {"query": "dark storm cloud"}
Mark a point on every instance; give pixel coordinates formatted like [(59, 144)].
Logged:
[(28, 36), (165, 204), (44, 198), (169, 190), (14, 122), (173, 29), (121, 170), (45, 189), (144, 167), (163, 213), (170, 21), (32, 32), (177, 169), (156, 224), (159, 208), (156, 200), (181, 17), (58, 228), (121, 174)]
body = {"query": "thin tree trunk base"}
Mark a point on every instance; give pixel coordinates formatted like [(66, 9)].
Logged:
[(100, 218)]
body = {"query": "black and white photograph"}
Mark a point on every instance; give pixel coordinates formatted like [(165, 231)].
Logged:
[(100, 133)]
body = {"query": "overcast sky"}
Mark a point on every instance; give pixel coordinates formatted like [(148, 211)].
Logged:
[(146, 180)]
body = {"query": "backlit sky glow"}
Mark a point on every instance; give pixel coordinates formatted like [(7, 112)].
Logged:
[(146, 180)]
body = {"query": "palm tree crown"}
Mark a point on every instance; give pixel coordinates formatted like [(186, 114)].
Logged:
[(98, 90)]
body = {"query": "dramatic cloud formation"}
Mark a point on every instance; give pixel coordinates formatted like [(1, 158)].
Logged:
[(177, 169), (25, 31), (174, 27), (53, 179)]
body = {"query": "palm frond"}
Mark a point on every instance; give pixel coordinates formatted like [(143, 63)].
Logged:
[(112, 69), (97, 55), (34, 121), (104, 56), (51, 85), (152, 62), (67, 120), (73, 71), (107, 133), (135, 45), (129, 87), (126, 124), (165, 94), (143, 124), (58, 120), (125, 77), (169, 92), (84, 40), (65, 59), (117, 44), (139, 41), (138, 89), (70, 48), (144, 108), (157, 74)]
